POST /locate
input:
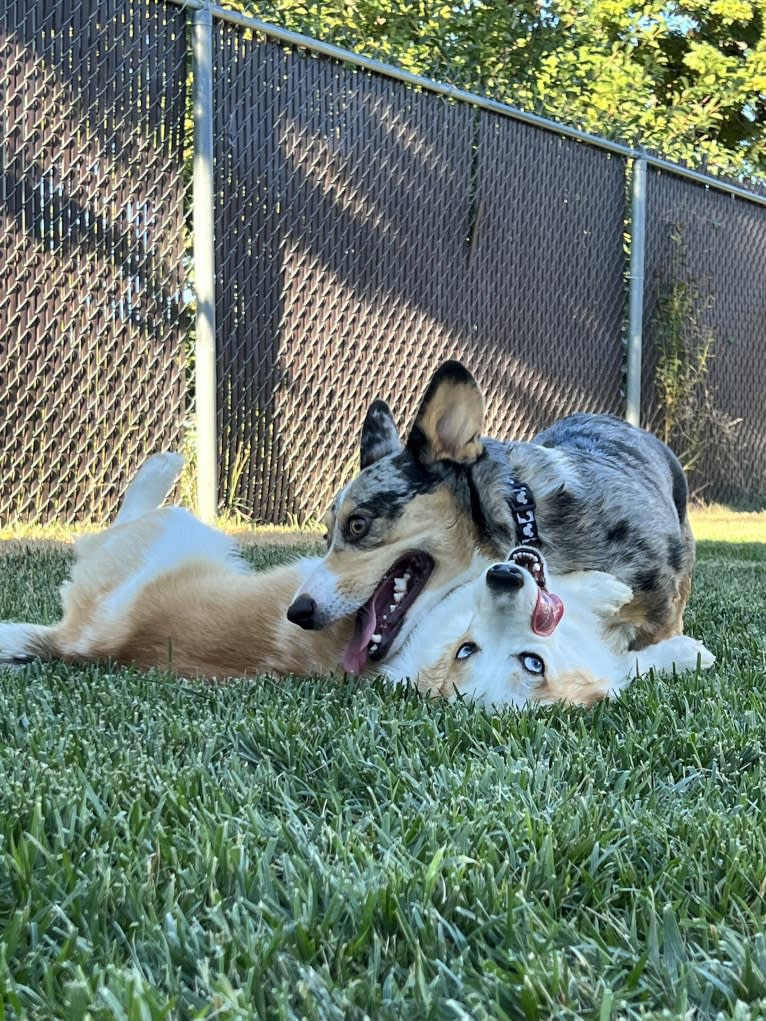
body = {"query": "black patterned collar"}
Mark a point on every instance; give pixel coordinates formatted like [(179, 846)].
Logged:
[(522, 504)]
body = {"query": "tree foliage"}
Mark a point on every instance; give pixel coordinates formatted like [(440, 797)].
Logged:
[(686, 79)]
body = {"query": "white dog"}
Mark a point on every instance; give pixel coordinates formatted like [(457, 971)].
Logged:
[(505, 637)]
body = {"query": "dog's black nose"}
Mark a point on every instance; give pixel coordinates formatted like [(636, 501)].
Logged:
[(505, 576), (303, 611)]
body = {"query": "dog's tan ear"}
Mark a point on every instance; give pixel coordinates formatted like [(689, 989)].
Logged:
[(379, 435), (449, 422)]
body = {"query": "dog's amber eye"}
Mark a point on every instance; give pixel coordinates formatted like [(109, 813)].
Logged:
[(466, 650), (357, 526), (532, 663)]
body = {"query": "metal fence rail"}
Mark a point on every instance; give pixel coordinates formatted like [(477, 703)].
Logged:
[(354, 225), (92, 329)]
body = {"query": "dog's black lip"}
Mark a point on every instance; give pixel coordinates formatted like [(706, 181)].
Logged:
[(421, 565)]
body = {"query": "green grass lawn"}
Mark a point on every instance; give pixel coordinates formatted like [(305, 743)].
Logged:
[(309, 850)]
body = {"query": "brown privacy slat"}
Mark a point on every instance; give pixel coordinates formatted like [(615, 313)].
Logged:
[(92, 318), (365, 232), (721, 257), (546, 278)]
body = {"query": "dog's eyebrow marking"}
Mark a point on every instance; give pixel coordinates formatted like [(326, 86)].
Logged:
[(387, 503), (397, 488)]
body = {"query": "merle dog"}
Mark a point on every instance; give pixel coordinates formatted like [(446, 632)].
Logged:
[(591, 493)]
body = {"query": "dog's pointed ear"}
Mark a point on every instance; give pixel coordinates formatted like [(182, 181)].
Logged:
[(449, 422), (379, 435)]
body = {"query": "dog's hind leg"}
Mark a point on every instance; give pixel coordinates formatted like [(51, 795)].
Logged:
[(102, 563), (149, 487), (22, 643)]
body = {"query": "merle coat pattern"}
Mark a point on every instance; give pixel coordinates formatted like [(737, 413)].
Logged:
[(609, 497)]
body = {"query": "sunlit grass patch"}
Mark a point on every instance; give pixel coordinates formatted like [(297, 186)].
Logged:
[(720, 524)]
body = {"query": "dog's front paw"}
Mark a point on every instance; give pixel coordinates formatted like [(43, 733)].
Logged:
[(689, 653), (706, 657), (674, 654)]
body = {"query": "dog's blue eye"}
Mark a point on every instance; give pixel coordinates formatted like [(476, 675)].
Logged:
[(466, 650), (532, 663)]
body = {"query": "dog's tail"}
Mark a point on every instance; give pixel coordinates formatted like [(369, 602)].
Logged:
[(21, 643), (150, 485)]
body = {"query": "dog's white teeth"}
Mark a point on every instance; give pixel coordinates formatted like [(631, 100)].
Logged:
[(372, 648), (407, 576), (398, 596), (376, 639), (535, 568), (392, 607), (400, 585)]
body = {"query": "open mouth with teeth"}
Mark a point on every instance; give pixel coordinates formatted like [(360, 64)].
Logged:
[(380, 619), (548, 609)]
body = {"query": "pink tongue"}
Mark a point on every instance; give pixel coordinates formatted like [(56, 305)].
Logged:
[(547, 613), (355, 656)]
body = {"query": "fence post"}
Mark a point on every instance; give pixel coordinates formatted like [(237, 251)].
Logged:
[(204, 264), (636, 309)]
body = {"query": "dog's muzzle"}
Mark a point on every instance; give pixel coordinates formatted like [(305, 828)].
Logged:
[(505, 577), (510, 576), (302, 611)]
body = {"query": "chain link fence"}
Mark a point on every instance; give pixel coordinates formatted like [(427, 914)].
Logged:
[(365, 230), (705, 316), (92, 324), (364, 233)]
